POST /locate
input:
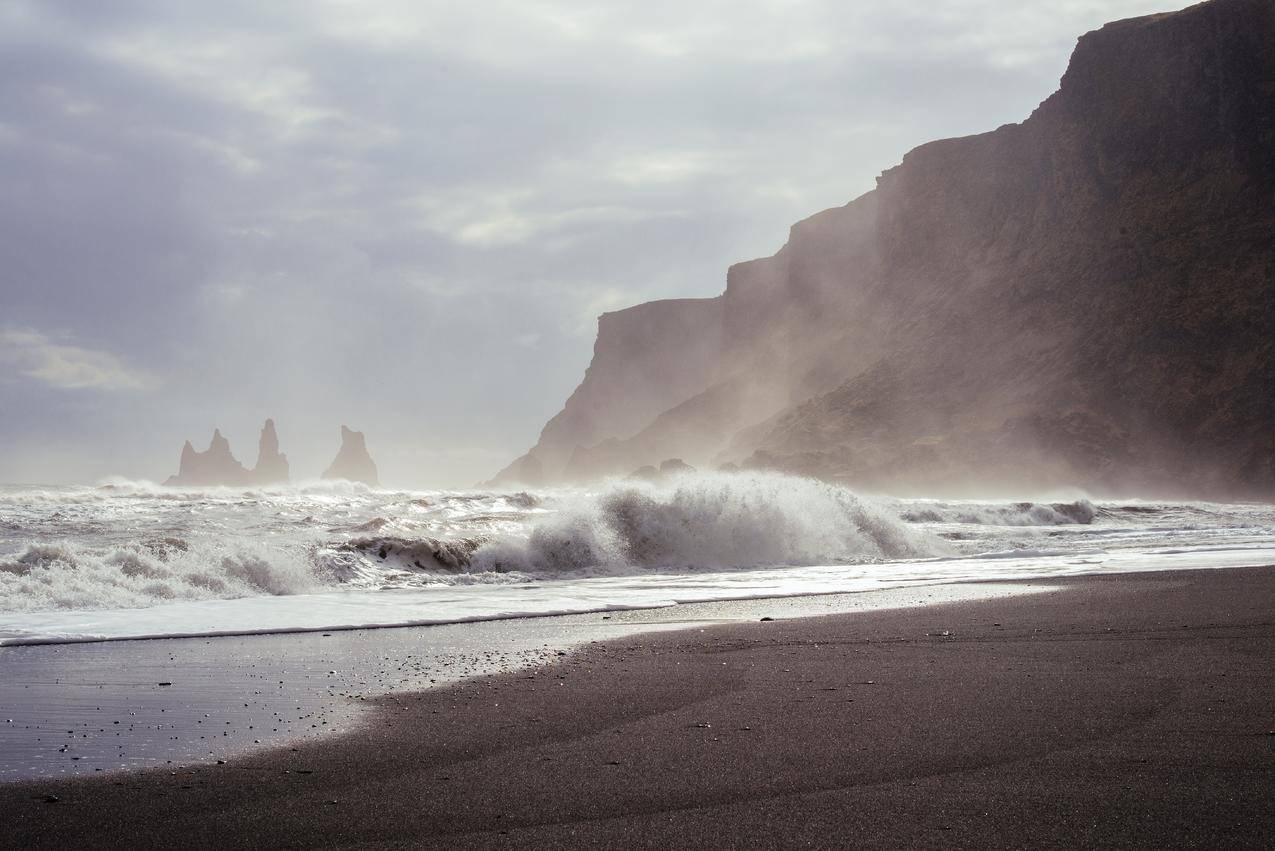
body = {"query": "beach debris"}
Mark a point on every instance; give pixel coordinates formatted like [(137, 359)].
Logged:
[(51, 799), (767, 618), (163, 684)]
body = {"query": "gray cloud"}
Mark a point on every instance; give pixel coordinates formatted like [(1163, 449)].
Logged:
[(30, 354), (407, 215)]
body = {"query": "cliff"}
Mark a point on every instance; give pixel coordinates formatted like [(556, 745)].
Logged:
[(353, 462), (679, 342), (1085, 298), (217, 466)]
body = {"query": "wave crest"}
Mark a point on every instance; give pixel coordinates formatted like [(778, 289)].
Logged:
[(1080, 512), (50, 576), (707, 520)]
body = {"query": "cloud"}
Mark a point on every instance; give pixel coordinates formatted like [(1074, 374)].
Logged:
[(64, 366), (312, 210)]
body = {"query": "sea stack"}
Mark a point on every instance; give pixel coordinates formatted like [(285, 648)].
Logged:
[(214, 466), (353, 463), (272, 465)]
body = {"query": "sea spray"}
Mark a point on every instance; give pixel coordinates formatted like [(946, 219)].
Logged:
[(132, 545), (707, 521)]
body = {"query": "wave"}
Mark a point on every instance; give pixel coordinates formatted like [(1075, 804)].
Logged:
[(65, 575), (707, 521), (1081, 512), (693, 522)]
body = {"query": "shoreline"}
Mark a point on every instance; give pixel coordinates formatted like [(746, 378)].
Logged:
[(330, 611), (1114, 709), (64, 719)]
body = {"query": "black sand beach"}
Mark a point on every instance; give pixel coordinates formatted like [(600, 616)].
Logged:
[(1129, 710)]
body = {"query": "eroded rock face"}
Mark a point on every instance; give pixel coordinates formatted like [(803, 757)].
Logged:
[(353, 462), (216, 466), (647, 359), (1085, 298), (272, 465)]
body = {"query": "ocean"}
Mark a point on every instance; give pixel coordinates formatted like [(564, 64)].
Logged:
[(126, 559)]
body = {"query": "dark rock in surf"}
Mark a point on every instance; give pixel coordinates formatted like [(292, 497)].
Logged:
[(675, 465)]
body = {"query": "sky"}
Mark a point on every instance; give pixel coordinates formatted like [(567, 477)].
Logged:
[(407, 216)]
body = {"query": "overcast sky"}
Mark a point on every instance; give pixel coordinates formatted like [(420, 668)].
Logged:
[(406, 216)]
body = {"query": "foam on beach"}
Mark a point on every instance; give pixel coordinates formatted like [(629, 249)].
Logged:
[(133, 559)]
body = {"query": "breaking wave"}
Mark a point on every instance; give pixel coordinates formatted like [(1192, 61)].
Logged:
[(72, 576), (1081, 512), (250, 543), (125, 545), (708, 521)]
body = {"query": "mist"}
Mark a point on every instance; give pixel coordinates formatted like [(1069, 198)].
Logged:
[(373, 216)]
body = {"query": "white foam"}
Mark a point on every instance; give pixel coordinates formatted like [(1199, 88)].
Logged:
[(455, 604), (707, 520), (322, 556)]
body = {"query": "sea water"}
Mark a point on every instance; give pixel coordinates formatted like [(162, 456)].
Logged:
[(131, 559)]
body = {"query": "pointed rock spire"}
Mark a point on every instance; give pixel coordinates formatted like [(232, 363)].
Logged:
[(353, 462), (272, 465), (214, 466)]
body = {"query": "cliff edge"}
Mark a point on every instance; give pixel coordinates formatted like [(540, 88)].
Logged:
[(1085, 298)]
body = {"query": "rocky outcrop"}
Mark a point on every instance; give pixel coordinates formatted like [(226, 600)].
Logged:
[(212, 467), (1085, 298), (216, 466), (272, 465), (646, 359), (353, 462)]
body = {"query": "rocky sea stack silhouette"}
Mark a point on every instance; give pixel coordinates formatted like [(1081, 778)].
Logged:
[(1085, 298), (272, 465), (353, 462), (218, 466)]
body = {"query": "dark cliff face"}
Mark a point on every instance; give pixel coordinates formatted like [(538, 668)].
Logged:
[(646, 359), (1085, 298)]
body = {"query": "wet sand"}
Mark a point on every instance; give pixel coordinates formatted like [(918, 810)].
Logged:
[(1115, 710), (68, 710)]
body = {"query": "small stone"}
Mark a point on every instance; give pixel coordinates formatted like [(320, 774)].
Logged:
[(767, 618)]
